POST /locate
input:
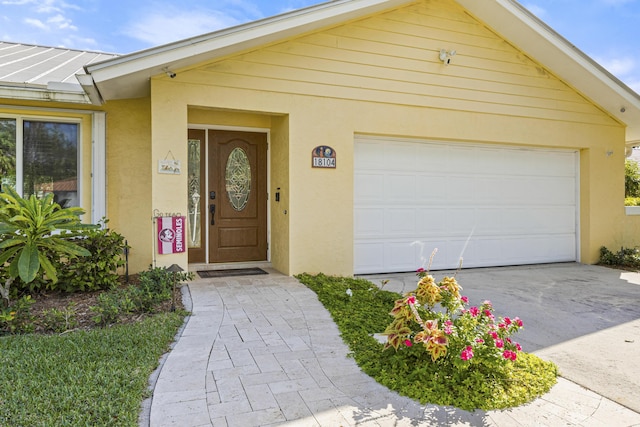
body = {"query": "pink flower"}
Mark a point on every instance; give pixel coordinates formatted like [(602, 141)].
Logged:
[(479, 340), (489, 314), (507, 321), (518, 322), (408, 343), (502, 326), (464, 300), (474, 311), (448, 327), (493, 335), (499, 343), (411, 300), (487, 303), (420, 270), (467, 353), (509, 355), (518, 346)]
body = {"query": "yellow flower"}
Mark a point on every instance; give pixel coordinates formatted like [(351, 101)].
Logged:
[(428, 292), (451, 285)]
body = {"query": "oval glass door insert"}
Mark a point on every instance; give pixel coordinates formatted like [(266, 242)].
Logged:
[(238, 178)]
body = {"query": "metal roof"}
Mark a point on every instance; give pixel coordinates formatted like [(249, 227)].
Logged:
[(36, 72)]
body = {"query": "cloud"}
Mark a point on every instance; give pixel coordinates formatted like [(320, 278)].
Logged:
[(177, 24), (538, 11), (618, 66), (62, 23), (36, 23)]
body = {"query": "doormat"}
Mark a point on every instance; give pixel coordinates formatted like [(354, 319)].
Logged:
[(208, 274)]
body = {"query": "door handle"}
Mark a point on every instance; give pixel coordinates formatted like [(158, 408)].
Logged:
[(212, 210)]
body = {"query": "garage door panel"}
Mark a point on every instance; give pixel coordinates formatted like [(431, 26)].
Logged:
[(400, 187), (400, 221), (367, 187), (369, 222), (503, 206), (400, 256), (429, 221), (460, 189), (368, 257), (431, 158), (430, 188)]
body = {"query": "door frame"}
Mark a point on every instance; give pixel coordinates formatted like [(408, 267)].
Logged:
[(266, 131)]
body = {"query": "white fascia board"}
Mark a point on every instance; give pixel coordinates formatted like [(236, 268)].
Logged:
[(42, 94), (210, 46), (89, 87)]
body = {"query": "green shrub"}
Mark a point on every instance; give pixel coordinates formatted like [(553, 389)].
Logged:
[(60, 320), (16, 317), (631, 178), (30, 229), (360, 309), (632, 201), (99, 270), (625, 257), (107, 308), (154, 286)]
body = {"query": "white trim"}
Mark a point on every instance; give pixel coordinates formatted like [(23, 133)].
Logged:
[(37, 94), (98, 167), (47, 109), (632, 210), (20, 119)]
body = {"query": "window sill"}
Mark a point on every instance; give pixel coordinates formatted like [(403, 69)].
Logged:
[(632, 210)]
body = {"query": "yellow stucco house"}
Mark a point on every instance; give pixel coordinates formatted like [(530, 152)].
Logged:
[(354, 136)]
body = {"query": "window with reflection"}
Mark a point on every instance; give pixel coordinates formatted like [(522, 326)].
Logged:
[(48, 162)]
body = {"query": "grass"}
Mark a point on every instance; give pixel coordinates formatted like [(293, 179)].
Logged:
[(366, 312), (83, 378)]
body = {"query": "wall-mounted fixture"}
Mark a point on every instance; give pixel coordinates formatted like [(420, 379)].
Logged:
[(169, 73), (445, 56)]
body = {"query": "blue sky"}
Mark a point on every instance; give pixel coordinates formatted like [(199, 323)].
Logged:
[(606, 30)]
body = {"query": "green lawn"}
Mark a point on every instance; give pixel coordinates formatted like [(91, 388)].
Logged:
[(85, 378)]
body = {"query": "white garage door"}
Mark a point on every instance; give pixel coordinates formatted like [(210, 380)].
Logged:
[(490, 205)]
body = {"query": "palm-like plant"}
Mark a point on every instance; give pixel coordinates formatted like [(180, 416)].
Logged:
[(32, 227)]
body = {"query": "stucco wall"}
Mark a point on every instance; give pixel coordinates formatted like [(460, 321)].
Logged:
[(382, 75), (129, 168)]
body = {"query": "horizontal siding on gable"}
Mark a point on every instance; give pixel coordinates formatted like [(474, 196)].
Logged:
[(393, 58)]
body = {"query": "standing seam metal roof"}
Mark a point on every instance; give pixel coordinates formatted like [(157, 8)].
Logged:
[(34, 66)]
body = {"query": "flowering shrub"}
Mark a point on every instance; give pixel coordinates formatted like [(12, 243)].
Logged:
[(450, 332)]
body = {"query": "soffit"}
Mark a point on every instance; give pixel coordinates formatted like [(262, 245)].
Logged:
[(128, 76)]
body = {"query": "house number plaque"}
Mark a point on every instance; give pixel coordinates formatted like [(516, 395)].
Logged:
[(323, 156)]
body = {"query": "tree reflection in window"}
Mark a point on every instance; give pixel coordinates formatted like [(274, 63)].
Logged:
[(7, 152), (50, 160)]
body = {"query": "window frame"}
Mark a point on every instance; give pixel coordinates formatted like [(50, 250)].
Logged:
[(20, 119)]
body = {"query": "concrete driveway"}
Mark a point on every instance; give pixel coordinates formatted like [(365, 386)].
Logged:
[(584, 318)]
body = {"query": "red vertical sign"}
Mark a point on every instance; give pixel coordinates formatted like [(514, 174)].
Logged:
[(171, 234)]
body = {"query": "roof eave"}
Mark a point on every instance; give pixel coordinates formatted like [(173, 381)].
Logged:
[(516, 24), (31, 93), (128, 76)]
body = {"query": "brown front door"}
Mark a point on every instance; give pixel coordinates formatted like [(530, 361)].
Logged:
[(236, 207)]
